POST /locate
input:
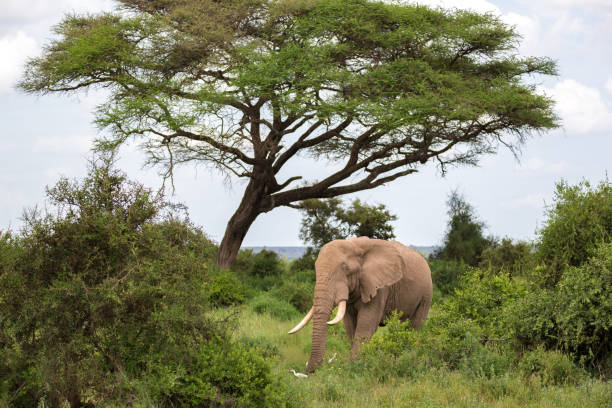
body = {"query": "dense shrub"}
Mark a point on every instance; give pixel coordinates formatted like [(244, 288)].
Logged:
[(575, 316), (259, 271), (224, 373), (272, 305), (306, 262), (266, 263), (507, 256), (224, 289), (297, 293), (584, 314), (261, 345), (578, 221), (551, 367), (105, 300), (445, 274), (482, 296)]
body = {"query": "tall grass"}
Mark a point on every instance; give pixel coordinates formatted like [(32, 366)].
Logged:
[(345, 384)]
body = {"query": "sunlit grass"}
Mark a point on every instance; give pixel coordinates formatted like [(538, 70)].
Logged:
[(341, 384)]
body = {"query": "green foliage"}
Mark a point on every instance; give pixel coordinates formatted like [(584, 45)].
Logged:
[(105, 301), (306, 262), (464, 240), (326, 220), (584, 315), (579, 219), (575, 316), (261, 345), (445, 274), (260, 271), (551, 367), (224, 289), (297, 293), (483, 296), (225, 373), (514, 258), (266, 263), (272, 305)]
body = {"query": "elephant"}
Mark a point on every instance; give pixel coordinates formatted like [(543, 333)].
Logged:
[(367, 279)]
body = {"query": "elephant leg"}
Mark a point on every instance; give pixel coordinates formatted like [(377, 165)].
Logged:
[(350, 323), (419, 316), (368, 318)]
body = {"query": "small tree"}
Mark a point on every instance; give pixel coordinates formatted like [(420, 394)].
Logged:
[(579, 220), (246, 86), (327, 220), (464, 240)]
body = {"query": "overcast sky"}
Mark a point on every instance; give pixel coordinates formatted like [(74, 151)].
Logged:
[(45, 137)]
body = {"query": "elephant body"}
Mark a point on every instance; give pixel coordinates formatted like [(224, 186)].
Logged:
[(368, 279)]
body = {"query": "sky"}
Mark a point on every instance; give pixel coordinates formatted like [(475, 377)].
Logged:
[(45, 137)]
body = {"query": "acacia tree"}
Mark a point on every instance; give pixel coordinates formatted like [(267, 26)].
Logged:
[(246, 86)]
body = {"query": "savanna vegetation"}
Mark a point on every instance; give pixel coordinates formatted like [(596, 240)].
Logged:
[(111, 297)]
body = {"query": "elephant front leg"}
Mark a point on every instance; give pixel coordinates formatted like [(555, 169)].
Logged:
[(368, 318)]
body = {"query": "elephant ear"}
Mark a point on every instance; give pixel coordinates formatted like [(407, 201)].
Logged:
[(382, 266)]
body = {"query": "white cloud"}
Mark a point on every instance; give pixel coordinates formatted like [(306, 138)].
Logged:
[(528, 28), (608, 85), (582, 108), (579, 3), (28, 11), (54, 173), (14, 49), (537, 165), (63, 144), (531, 200)]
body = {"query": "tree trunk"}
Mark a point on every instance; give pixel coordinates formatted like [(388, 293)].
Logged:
[(238, 226)]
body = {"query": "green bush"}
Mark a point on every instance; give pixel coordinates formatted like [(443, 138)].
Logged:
[(266, 263), (578, 221), (482, 296), (445, 274), (513, 258), (262, 345), (575, 316), (551, 366), (224, 289), (485, 363), (306, 262), (584, 313), (270, 304), (299, 294), (531, 321), (260, 271), (105, 301), (225, 373)]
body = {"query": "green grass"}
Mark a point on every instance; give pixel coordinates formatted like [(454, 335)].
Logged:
[(343, 384)]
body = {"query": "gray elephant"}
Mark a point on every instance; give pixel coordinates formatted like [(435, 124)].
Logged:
[(367, 279)]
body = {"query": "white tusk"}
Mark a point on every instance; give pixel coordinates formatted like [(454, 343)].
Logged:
[(304, 321), (340, 315)]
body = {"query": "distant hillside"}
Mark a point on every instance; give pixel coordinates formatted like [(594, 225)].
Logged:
[(294, 252)]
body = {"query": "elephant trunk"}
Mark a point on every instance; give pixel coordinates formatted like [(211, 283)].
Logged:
[(323, 305)]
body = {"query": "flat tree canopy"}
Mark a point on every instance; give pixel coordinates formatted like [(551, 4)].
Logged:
[(376, 89)]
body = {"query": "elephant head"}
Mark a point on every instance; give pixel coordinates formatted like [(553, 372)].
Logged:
[(347, 271)]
